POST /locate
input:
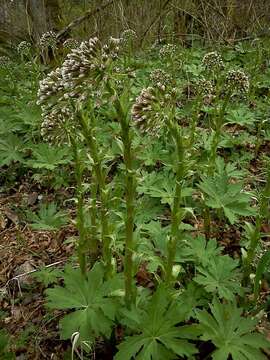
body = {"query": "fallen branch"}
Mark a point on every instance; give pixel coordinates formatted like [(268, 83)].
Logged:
[(62, 34)]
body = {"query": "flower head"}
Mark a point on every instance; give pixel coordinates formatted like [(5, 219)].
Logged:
[(160, 78), (150, 111), (238, 81), (205, 87), (128, 35), (212, 61), (71, 44), (167, 50), (48, 39), (24, 48), (4, 61)]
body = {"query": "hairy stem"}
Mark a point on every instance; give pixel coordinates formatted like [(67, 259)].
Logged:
[(256, 234), (130, 185), (80, 216), (90, 139), (176, 210)]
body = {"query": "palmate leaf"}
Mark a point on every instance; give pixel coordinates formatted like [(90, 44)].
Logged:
[(220, 277), (49, 157), (221, 194), (158, 336), (47, 218), (198, 250), (161, 185), (91, 298), (232, 334), (11, 150)]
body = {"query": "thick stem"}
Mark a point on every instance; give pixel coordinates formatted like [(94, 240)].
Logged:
[(93, 253), (176, 215), (130, 184), (80, 216), (100, 177)]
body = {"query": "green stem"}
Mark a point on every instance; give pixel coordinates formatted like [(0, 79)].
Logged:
[(176, 215), (256, 235), (93, 229), (80, 216), (130, 184), (100, 176)]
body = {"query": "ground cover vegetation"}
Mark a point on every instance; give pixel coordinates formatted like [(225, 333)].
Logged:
[(135, 198)]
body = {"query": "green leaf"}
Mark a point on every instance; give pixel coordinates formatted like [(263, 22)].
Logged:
[(161, 185), (91, 298), (220, 277), (232, 334), (49, 157), (47, 275), (11, 150), (220, 193), (47, 218), (198, 250), (159, 337)]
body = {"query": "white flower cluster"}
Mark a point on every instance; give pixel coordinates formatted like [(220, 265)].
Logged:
[(151, 107), (128, 36), (167, 50), (213, 61), (48, 39), (77, 79), (160, 78), (238, 81), (24, 48), (4, 61), (71, 44), (205, 87)]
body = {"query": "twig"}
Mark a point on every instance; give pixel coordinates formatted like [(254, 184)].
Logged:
[(62, 33)]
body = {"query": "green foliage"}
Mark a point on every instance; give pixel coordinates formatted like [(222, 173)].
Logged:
[(199, 251), (220, 277), (47, 275), (240, 116), (11, 149), (49, 157), (158, 337), (93, 300), (221, 193), (4, 346), (47, 218), (232, 334), (262, 267), (160, 185)]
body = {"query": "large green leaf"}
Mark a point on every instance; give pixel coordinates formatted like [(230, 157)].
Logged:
[(158, 336), (232, 334), (92, 301)]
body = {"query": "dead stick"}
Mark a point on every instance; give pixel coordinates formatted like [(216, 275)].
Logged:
[(62, 33)]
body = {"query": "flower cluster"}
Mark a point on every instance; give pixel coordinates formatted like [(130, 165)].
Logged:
[(24, 48), (48, 39), (53, 125), (212, 61), (160, 78), (50, 87), (71, 44), (167, 50), (238, 81), (128, 36), (4, 61), (76, 80), (150, 111), (205, 87)]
